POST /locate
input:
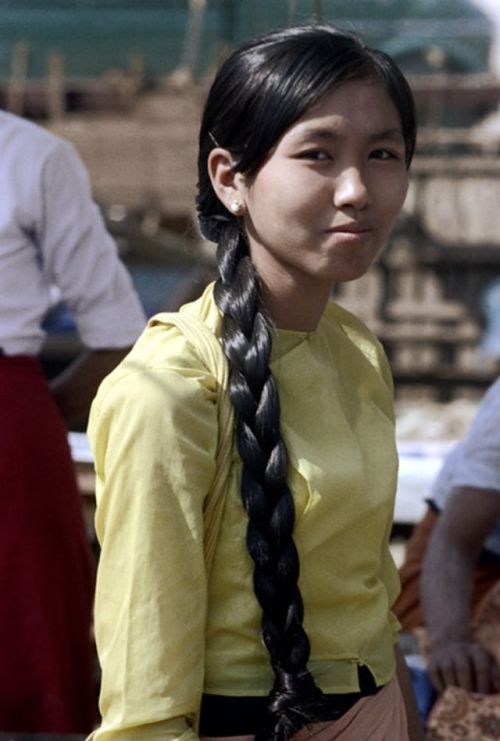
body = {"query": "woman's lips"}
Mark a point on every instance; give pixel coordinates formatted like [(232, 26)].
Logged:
[(351, 229)]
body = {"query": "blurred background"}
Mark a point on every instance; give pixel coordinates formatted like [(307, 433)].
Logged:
[(125, 82)]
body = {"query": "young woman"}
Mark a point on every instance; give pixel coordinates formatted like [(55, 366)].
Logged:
[(305, 145)]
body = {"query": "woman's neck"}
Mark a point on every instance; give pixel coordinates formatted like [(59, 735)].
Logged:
[(294, 302)]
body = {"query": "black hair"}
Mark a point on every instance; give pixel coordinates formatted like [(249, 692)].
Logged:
[(259, 92)]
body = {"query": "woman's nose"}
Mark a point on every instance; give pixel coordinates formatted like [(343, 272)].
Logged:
[(351, 189)]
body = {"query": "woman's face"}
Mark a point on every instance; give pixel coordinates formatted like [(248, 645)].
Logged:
[(322, 205)]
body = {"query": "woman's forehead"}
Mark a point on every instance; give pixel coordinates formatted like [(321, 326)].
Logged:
[(362, 102)]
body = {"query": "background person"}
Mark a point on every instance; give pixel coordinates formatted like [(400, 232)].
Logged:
[(51, 234), (453, 558), (305, 145)]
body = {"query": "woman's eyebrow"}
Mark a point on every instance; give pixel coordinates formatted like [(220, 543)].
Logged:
[(318, 132), (394, 134)]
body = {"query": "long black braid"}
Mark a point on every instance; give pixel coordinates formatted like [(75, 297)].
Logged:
[(265, 493), (258, 93)]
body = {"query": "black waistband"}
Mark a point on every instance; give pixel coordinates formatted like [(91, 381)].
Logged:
[(241, 716)]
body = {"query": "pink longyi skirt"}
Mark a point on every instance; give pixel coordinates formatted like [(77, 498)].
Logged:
[(380, 717)]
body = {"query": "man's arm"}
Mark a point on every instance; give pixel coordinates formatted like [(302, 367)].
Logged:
[(447, 579), (74, 388), (79, 257)]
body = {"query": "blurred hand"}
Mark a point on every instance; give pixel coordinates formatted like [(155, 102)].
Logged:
[(464, 664)]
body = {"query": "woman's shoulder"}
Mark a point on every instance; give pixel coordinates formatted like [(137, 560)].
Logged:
[(353, 327), (177, 346), (358, 334), (175, 340)]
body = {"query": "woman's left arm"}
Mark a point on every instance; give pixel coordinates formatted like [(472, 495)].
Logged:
[(415, 730)]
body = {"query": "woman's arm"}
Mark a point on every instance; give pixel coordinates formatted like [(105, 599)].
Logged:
[(152, 433)]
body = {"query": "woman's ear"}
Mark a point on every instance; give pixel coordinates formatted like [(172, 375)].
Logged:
[(227, 184)]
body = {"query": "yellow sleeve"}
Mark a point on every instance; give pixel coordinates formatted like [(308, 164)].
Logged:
[(389, 572), (386, 373), (390, 577), (153, 435)]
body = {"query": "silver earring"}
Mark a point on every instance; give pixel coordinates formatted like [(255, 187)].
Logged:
[(236, 207)]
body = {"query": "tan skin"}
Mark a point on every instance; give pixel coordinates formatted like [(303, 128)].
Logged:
[(318, 211), (74, 388), (447, 578), (321, 207)]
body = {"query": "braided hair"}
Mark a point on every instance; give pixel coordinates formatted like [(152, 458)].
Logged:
[(260, 91)]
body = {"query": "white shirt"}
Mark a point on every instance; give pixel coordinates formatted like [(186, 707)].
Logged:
[(52, 233), (475, 461)]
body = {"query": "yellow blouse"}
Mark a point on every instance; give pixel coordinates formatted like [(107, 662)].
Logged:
[(164, 634)]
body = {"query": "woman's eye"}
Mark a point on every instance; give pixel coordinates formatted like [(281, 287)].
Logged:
[(384, 154), (316, 155)]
